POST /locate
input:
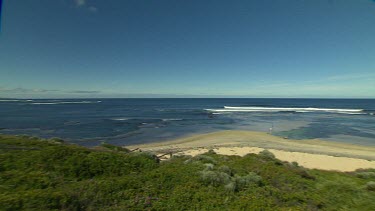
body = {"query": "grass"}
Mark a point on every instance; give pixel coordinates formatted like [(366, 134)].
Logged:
[(40, 174)]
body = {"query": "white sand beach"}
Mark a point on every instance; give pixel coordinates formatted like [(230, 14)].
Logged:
[(316, 154)]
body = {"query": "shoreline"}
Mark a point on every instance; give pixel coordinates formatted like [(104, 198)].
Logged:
[(314, 153)]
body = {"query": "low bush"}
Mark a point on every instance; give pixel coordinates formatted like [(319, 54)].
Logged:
[(267, 154), (230, 187), (209, 166), (225, 169), (211, 151), (304, 173), (242, 182), (370, 186), (214, 178), (205, 159), (366, 175), (295, 164)]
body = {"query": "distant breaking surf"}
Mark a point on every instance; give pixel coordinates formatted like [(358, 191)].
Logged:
[(55, 103), (16, 100), (280, 109)]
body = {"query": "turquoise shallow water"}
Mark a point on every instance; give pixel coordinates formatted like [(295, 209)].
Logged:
[(128, 121)]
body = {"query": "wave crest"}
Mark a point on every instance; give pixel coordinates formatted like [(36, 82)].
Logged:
[(281, 109), (74, 102)]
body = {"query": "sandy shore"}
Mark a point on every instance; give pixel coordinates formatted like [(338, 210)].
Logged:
[(318, 154)]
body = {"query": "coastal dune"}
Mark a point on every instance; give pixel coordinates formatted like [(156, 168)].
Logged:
[(316, 154)]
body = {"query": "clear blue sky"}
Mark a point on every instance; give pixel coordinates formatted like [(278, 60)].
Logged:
[(166, 48)]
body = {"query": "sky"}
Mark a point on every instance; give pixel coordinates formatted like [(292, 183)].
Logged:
[(195, 48)]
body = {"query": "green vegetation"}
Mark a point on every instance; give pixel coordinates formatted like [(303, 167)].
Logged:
[(370, 186), (366, 174), (52, 175), (267, 154)]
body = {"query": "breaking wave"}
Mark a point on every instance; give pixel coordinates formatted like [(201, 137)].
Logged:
[(166, 120), (120, 119), (2, 100), (74, 102), (281, 109)]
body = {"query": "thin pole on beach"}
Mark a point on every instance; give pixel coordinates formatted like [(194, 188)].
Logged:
[(271, 128)]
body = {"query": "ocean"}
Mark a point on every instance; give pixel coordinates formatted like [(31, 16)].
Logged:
[(89, 122)]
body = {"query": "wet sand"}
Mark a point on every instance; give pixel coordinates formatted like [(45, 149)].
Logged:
[(318, 154)]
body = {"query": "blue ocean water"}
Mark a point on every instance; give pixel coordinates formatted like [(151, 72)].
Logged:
[(88, 122)]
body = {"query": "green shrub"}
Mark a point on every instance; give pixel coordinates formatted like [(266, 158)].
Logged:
[(231, 184), (205, 159), (242, 182), (209, 166), (267, 154), (209, 177), (211, 151), (366, 170), (370, 186), (366, 175), (188, 161), (230, 187), (252, 177), (304, 173), (181, 156), (225, 169), (214, 178), (295, 164)]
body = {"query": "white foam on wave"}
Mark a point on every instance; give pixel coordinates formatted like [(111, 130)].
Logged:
[(120, 119), (74, 102), (15, 100), (352, 113), (217, 111), (295, 109), (166, 120), (10, 100), (280, 109), (44, 103)]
